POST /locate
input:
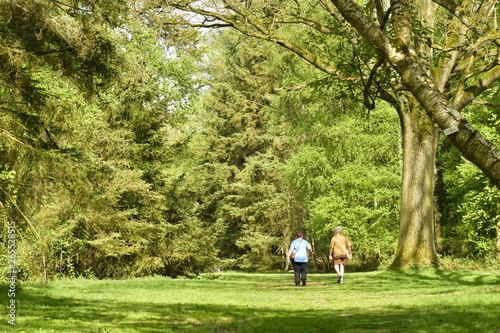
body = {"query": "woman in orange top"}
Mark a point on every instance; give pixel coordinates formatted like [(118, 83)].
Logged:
[(340, 251)]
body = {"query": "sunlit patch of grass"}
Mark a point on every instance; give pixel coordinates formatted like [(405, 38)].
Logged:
[(407, 301)]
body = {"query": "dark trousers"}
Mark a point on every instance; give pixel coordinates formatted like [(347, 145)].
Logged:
[(300, 271)]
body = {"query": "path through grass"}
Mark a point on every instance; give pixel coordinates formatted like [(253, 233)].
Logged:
[(427, 301)]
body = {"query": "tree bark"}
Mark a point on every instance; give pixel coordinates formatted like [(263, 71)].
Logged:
[(416, 244)]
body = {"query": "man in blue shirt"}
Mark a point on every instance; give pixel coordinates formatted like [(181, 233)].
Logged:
[(298, 255)]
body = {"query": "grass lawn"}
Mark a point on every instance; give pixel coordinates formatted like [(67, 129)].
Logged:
[(410, 301)]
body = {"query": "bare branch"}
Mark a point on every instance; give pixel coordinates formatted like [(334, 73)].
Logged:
[(322, 80), (303, 20), (494, 105)]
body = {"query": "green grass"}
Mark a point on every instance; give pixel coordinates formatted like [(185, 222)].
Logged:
[(411, 301)]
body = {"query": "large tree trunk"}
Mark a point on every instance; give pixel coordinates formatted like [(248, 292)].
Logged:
[(416, 245)]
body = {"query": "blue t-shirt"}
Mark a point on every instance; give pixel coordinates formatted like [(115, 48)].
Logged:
[(300, 246)]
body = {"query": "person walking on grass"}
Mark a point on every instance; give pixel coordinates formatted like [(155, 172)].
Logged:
[(340, 251), (298, 256)]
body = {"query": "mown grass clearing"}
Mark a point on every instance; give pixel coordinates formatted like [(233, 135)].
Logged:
[(410, 301)]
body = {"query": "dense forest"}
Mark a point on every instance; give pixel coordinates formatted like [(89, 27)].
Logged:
[(137, 138)]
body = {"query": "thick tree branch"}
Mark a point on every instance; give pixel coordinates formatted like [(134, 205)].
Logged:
[(279, 20), (470, 93), (468, 140)]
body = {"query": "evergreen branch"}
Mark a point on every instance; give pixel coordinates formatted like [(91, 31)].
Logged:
[(210, 26), (302, 86), (305, 85), (21, 212), (50, 139), (245, 13), (14, 137), (46, 52), (60, 5)]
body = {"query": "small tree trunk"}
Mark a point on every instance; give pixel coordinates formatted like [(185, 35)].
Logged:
[(416, 244), (498, 240)]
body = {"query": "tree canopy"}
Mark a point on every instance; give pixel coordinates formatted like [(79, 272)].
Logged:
[(462, 52)]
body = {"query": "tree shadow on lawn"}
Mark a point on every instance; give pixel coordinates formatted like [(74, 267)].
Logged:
[(70, 315), (423, 279), (465, 278)]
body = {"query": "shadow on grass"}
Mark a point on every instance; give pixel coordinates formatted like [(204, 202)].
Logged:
[(40, 312), (463, 278)]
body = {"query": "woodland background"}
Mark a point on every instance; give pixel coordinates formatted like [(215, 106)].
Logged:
[(130, 146)]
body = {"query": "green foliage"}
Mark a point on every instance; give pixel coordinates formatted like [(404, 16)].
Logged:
[(309, 172), (468, 202), (90, 198), (347, 173), (123, 153), (469, 221)]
